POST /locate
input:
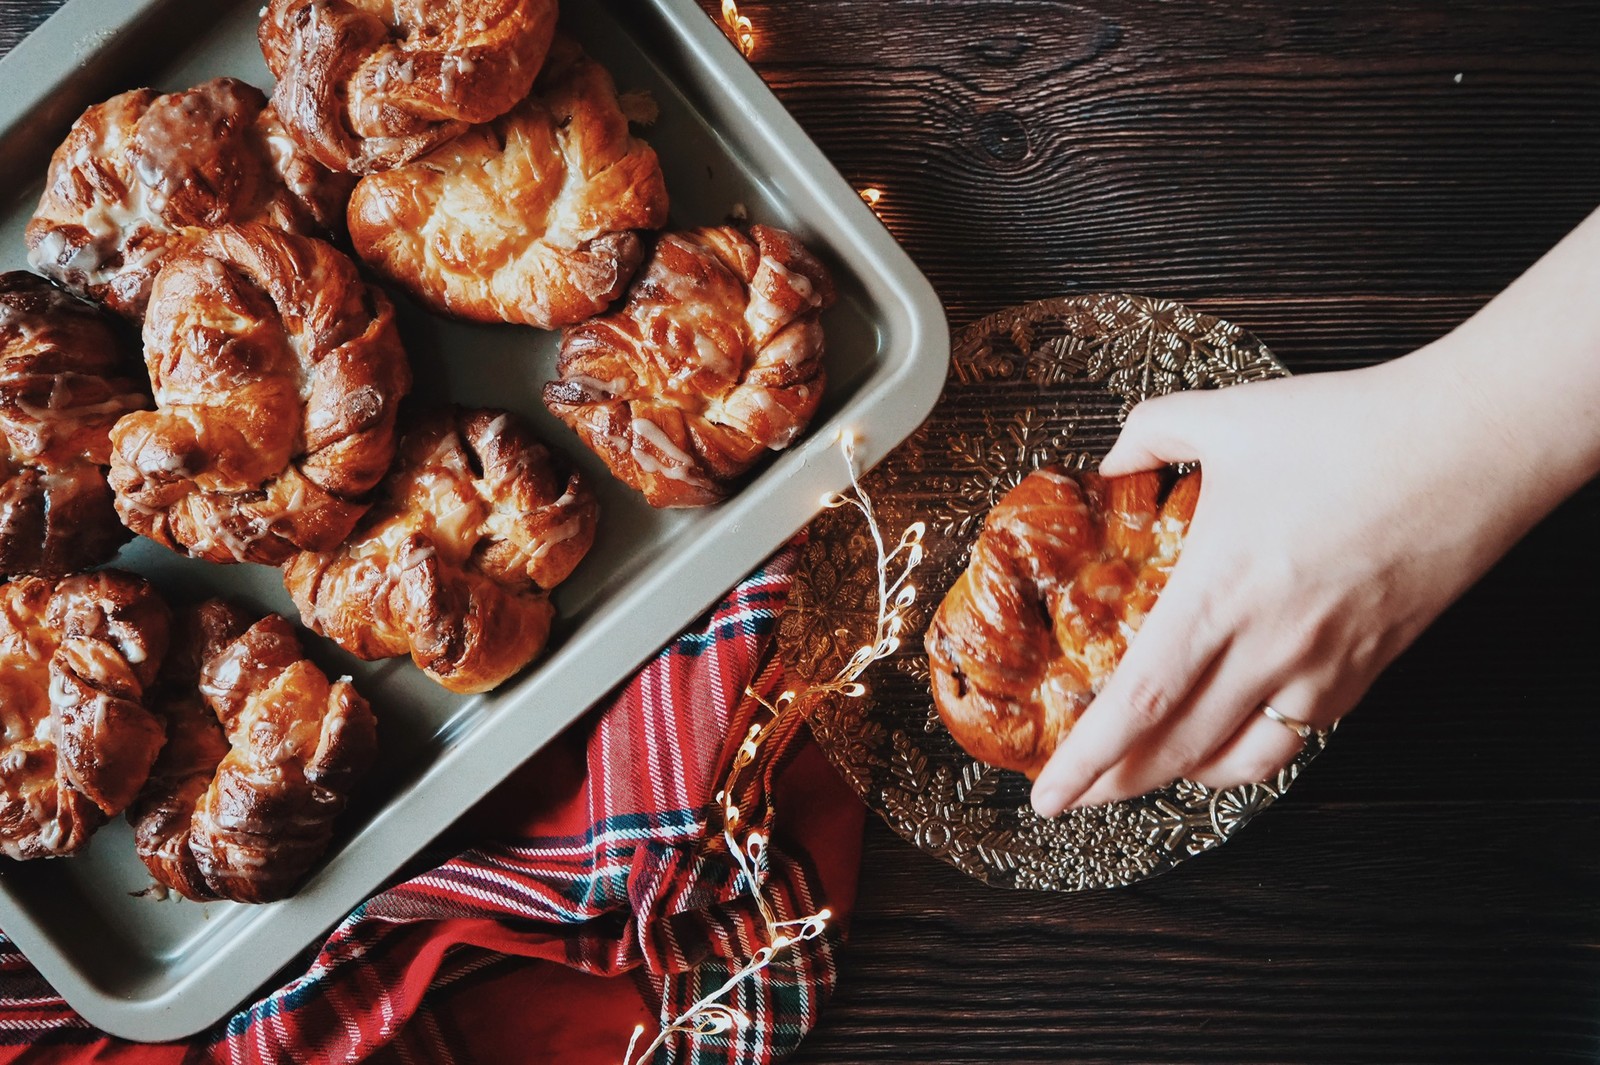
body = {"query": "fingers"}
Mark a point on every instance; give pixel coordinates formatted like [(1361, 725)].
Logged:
[(1261, 747), (1215, 710), (1156, 433), (1256, 753), (1164, 662)]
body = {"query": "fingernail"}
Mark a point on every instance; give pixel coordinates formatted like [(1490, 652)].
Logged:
[(1048, 799)]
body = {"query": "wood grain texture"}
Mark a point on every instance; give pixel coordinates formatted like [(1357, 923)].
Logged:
[(18, 18), (1318, 173)]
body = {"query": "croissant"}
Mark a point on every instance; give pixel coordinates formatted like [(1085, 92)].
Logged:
[(262, 756), (66, 376), (77, 657), (144, 176), (277, 375), (366, 85), (714, 358), (475, 526), (530, 219), (1061, 577)]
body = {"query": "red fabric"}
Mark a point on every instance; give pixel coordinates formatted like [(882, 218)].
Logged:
[(604, 899)]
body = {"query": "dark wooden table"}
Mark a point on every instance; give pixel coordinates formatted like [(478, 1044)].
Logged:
[(1349, 180)]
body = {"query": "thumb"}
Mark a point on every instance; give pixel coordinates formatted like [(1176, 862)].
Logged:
[(1156, 433)]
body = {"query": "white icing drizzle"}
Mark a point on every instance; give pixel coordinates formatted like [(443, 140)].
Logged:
[(678, 465)]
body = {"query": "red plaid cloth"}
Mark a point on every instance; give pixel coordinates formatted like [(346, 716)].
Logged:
[(607, 862)]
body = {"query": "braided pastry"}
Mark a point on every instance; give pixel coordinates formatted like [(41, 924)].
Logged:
[(263, 753), (76, 658), (66, 376), (366, 85), (530, 219), (144, 176), (1060, 579), (475, 526), (277, 374), (714, 358)]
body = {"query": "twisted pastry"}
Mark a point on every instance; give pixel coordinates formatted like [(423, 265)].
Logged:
[(277, 374), (715, 357), (76, 658), (1060, 579), (530, 219), (367, 85), (66, 376), (263, 753), (144, 176), (477, 523)]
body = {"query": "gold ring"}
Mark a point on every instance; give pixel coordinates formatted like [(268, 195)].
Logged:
[(1305, 731)]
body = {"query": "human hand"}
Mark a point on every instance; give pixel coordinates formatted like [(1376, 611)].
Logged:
[(1339, 515)]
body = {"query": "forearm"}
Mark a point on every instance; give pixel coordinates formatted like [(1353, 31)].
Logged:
[(1527, 367)]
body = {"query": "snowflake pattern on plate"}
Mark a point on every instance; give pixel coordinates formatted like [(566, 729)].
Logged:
[(1047, 382)]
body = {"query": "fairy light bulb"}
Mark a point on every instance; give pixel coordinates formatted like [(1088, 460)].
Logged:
[(740, 28), (895, 594)]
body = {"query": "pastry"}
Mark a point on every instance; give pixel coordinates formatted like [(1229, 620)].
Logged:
[(263, 753), (1061, 577), (530, 219), (366, 85), (455, 563), (66, 376), (144, 176), (76, 659), (714, 358), (277, 374)]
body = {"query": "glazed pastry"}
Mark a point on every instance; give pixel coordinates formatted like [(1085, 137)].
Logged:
[(277, 375), (66, 376), (263, 753), (531, 219), (77, 657), (714, 358), (144, 176), (1061, 577), (367, 85), (454, 565)]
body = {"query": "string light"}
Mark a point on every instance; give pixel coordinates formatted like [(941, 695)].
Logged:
[(710, 1015), (873, 195), (739, 28)]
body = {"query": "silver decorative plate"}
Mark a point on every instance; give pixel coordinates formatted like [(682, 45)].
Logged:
[(1043, 383)]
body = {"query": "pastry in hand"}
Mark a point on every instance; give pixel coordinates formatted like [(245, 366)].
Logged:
[(263, 753), (366, 85), (144, 176), (1061, 577), (66, 375), (455, 563), (77, 658), (530, 219), (714, 358), (277, 373)]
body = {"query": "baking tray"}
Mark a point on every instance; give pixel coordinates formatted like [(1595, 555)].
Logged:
[(151, 969)]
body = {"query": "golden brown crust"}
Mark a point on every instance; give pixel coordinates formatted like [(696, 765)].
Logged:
[(714, 358), (454, 565), (367, 85), (264, 751), (144, 176), (277, 375), (531, 219), (76, 659), (66, 376), (1062, 575)]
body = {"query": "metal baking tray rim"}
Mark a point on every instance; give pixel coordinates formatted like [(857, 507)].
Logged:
[(906, 388)]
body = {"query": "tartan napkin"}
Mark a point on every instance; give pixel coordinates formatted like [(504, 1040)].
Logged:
[(604, 900)]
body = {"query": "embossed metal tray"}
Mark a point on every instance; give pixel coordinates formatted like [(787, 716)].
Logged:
[(1044, 383), (149, 969)]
